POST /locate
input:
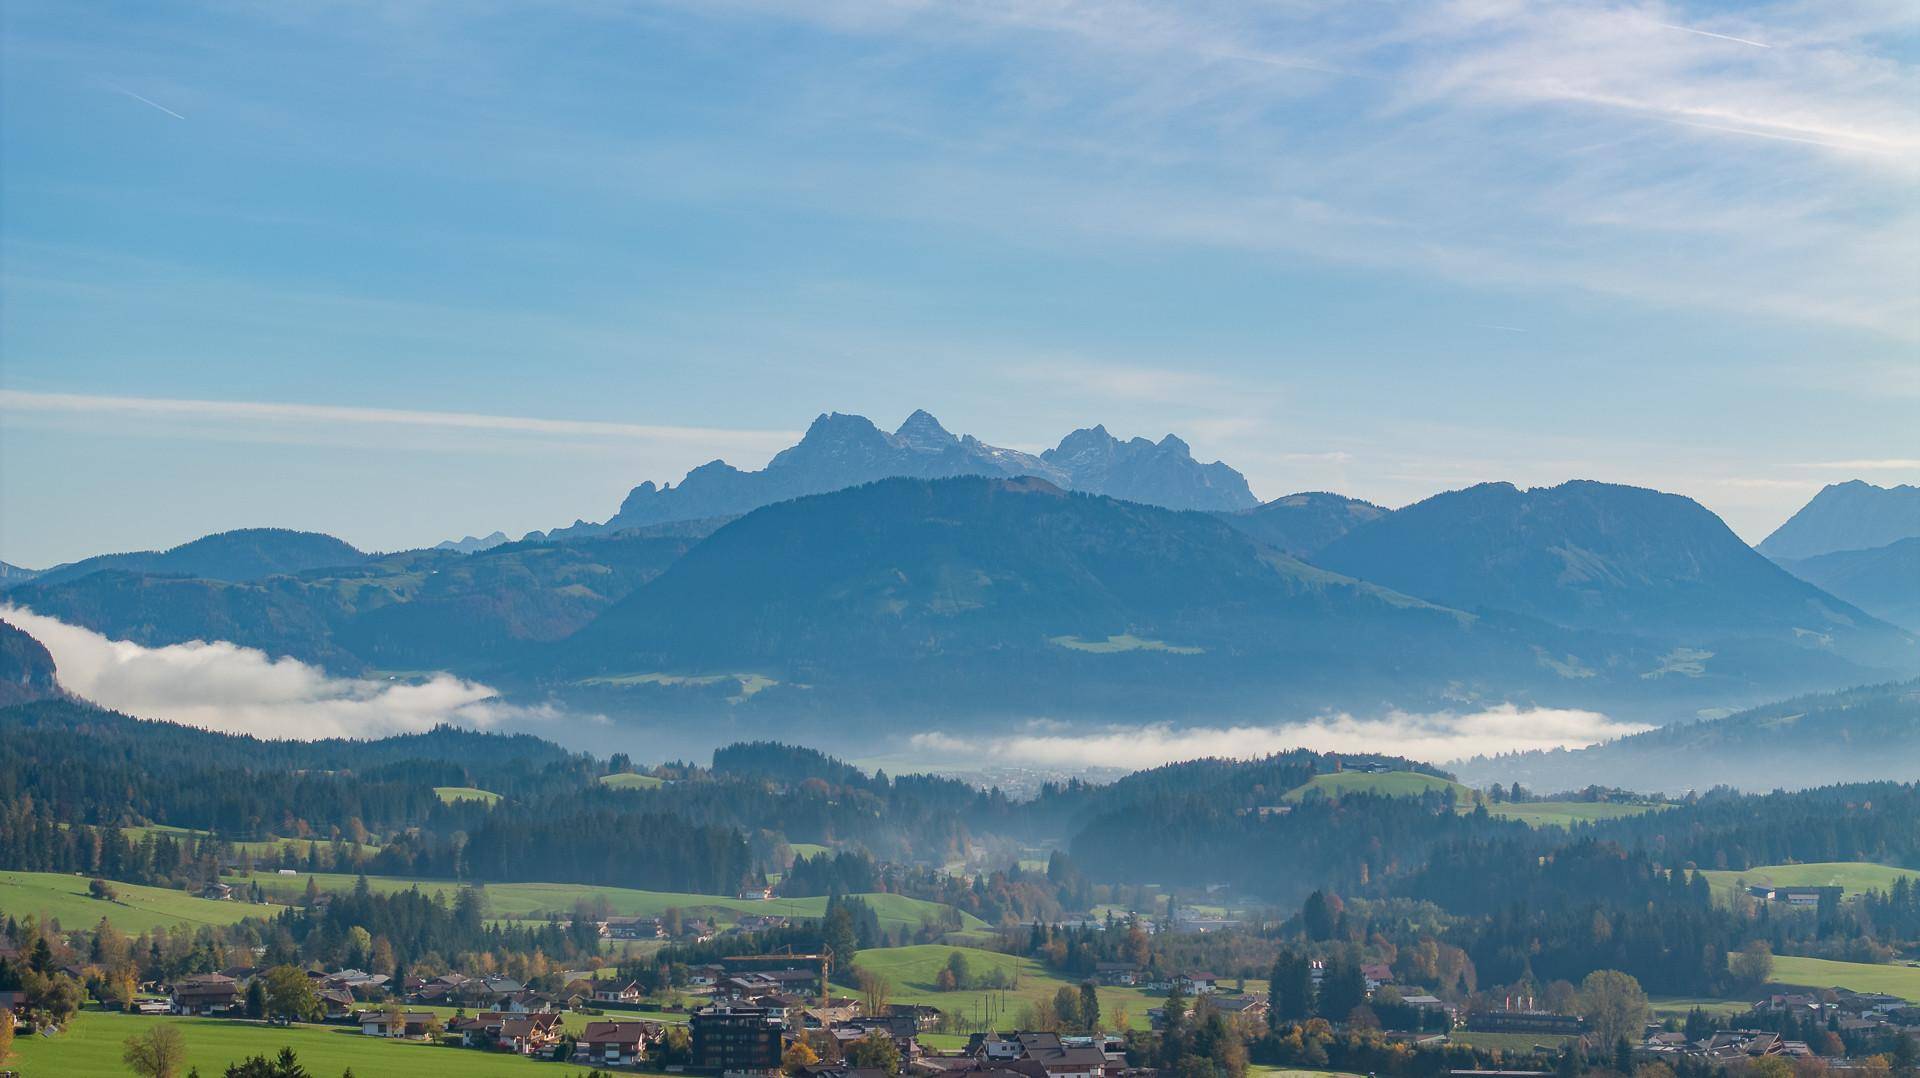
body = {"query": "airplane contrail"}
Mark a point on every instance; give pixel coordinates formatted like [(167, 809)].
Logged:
[(145, 101), (1710, 33)]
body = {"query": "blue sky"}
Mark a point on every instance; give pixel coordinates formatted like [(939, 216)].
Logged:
[(402, 272)]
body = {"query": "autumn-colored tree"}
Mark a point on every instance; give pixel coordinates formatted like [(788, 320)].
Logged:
[(160, 1052)]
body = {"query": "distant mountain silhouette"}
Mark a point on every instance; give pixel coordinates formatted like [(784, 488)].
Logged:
[(979, 594), (243, 554), (472, 544), (1303, 524), (840, 451), (1883, 581), (1607, 557), (13, 574), (1858, 735), (1854, 515)]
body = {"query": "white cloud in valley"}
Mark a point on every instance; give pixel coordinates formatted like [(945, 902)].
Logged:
[(1435, 738), (223, 686)]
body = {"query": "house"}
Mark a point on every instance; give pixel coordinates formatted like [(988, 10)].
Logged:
[(1061, 1060), (736, 1040), (1251, 1007), (339, 1003), (528, 1003), (1195, 982), (756, 894), (1796, 896), (1117, 974), (407, 1025), (902, 1029), (527, 1034), (217, 891), (205, 994), (1376, 974), (615, 1044), (617, 992), (633, 928), (924, 1017), (995, 1047)]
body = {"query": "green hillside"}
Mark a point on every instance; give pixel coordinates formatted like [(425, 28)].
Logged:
[(1853, 876), (1382, 783), (630, 781), (1898, 980), (451, 794), (536, 900), (91, 1049), (913, 970), (137, 909), (1568, 813)]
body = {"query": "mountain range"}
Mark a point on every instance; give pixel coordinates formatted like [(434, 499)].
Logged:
[(1854, 515), (1884, 581), (243, 554), (840, 451)]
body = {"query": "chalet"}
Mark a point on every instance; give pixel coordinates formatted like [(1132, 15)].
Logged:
[(338, 1002), (400, 1025), (995, 1047), (529, 1002), (527, 1034), (217, 891), (205, 994), (759, 922), (704, 976), (633, 928), (902, 1029), (615, 1044), (1376, 974), (1195, 982), (924, 1017), (617, 991), (1061, 1060), (1118, 974), (1251, 1007)]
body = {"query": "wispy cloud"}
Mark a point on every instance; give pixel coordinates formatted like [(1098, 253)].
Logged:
[(222, 686), (24, 401), (149, 102), (1435, 738)]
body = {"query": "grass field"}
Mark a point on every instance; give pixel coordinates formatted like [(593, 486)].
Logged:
[(630, 781), (1896, 980), (91, 1049), (1568, 813), (1853, 876), (1508, 1042), (812, 849), (536, 900), (1114, 644), (913, 970), (1678, 1006), (257, 847), (1384, 784), (450, 794), (137, 909)]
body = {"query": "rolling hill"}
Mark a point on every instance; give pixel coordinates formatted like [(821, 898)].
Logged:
[(1615, 559), (245, 554), (422, 609), (1883, 581), (1854, 515), (1857, 735), (1301, 525)]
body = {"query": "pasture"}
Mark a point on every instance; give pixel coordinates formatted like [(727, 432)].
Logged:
[(135, 909), (1894, 979), (1568, 813), (451, 794), (1381, 784), (1853, 877)]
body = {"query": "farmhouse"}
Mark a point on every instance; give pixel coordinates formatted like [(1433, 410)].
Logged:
[(205, 994), (1118, 974), (1195, 982), (617, 992), (633, 928), (407, 1025)]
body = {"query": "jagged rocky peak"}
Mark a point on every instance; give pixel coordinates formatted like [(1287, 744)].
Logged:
[(923, 432)]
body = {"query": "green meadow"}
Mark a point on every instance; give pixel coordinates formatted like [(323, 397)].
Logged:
[(519, 901), (1894, 979), (451, 794), (1568, 813), (1853, 876), (91, 1047), (1383, 784), (630, 781), (136, 909)]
